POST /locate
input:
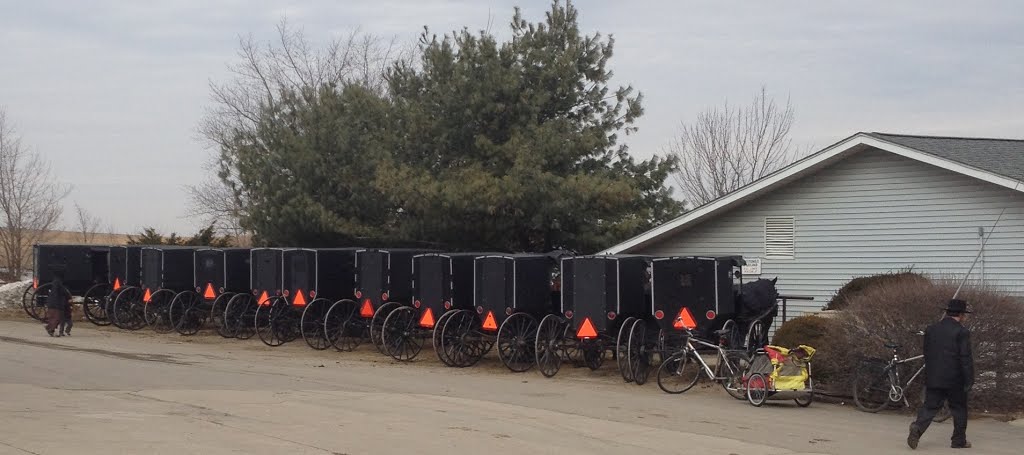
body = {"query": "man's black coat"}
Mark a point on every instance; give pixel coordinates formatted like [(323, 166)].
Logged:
[(949, 363)]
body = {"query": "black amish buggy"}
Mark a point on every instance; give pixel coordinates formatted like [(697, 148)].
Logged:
[(266, 282), (706, 297), (81, 268), (125, 266), (690, 296), (382, 283), (603, 298), (312, 279), (220, 274), (442, 284), (165, 272), (510, 293)]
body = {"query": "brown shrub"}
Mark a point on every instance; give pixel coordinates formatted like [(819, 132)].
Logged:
[(894, 310), (819, 333), (857, 286)]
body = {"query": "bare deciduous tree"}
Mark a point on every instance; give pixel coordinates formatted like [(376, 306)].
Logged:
[(87, 225), (30, 200), (726, 148), (262, 72)]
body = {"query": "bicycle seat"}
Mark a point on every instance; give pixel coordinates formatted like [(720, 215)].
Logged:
[(722, 332), (892, 345)]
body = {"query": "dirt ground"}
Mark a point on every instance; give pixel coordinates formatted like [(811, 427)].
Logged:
[(107, 391)]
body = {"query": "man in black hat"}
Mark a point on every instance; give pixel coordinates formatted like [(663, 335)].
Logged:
[(949, 371)]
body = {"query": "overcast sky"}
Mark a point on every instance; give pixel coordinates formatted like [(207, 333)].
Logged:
[(112, 92)]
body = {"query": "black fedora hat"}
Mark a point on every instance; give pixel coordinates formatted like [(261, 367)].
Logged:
[(957, 306)]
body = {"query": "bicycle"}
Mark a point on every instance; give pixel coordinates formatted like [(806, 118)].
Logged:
[(878, 382), (675, 375)]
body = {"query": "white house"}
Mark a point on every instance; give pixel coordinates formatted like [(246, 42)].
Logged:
[(871, 203)]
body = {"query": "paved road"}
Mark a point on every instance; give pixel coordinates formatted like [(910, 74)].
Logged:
[(107, 392)]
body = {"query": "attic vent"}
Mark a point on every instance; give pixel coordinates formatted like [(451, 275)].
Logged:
[(778, 237)]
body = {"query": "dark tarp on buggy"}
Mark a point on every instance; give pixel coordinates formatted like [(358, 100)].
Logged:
[(442, 281), (604, 289), (383, 275), (694, 292), (82, 266), (265, 273), (507, 284), (125, 266), (170, 268), (220, 270)]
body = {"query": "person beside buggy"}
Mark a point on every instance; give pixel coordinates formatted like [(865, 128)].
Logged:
[(58, 308)]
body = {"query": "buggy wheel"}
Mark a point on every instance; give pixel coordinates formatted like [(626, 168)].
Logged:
[(35, 306), (127, 309), (185, 314), (343, 326), (436, 339), (462, 340), (377, 324), (94, 304), (733, 382), (570, 351), (731, 335), (871, 386), (218, 309), (679, 372), (28, 303), (622, 350), (232, 319), (517, 338), (757, 389), (270, 321), (312, 324), (546, 349), (401, 336), (637, 353), (756, 338), (156, 311)]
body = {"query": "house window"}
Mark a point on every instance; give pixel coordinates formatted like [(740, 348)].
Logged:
[(778, 237)]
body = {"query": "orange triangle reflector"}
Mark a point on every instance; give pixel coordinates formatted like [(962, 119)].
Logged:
[(35, 283), (367, 310), (117, 284), (300, 300), (685, 320), (489, 322), (587, 330), (209, 294), (147, 296), (263, 299), (427, 320)]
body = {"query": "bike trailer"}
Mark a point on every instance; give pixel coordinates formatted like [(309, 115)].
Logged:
[(788, 368)]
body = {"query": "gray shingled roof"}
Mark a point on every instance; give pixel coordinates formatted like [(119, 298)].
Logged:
[(1004, 157)]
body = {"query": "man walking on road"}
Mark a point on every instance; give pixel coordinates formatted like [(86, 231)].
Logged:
[(949, 369)]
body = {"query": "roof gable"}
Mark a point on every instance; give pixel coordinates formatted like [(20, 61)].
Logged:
[(953, 154)]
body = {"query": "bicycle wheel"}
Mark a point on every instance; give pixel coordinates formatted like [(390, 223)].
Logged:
[(871, 386), (679, 372), (733, 382)]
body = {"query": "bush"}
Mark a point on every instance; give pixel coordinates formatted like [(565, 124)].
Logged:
[(894, 309), (819, 333), (857, 286)]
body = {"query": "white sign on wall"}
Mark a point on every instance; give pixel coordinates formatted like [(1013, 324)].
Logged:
[(753, 266)]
